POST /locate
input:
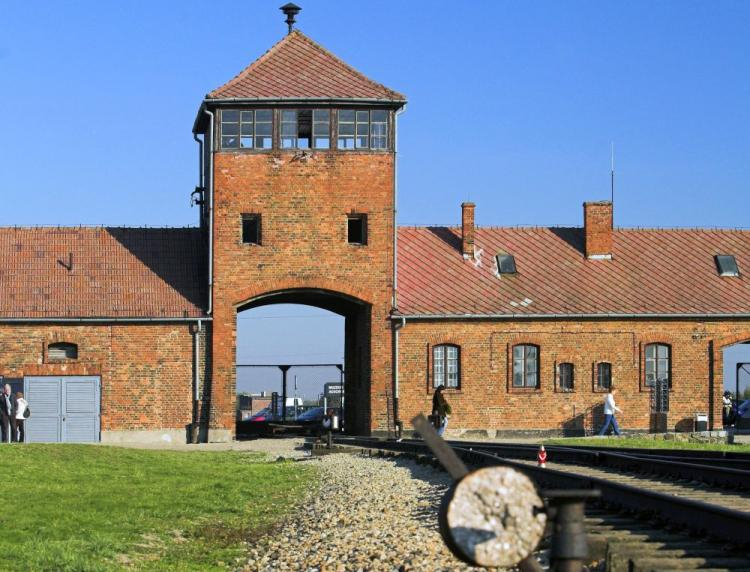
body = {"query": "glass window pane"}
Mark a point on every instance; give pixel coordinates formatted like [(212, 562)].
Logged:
[(363, 117), (531, 351), (346, 143), (346, 115), (437, 353), (363, 129), (378, 129), (452, 352), (289, 129), (322, 143), (531, 379), (246, 142), (362, 143), (263, 115), (517, 352), (263, 129), (246, 117), (346, 129), (246, 129), (228, 142), (288, 142), (263, 142), (379, 115), (321, 115), (289, 115), (230, 115), (663, 369), (650, 351), (230, 128), (663, 351), (517, 379)]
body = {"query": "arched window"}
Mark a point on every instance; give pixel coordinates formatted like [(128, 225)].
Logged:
[(657, 364), (446, 366), (604, 376), (566, 374), (525, 366), (62, 350)]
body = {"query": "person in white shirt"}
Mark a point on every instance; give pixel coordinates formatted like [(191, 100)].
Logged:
[(21, 407), (609, 413)]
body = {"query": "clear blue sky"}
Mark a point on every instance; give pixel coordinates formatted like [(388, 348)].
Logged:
[(511, 105)]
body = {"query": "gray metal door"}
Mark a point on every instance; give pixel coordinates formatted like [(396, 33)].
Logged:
[(63, 409)]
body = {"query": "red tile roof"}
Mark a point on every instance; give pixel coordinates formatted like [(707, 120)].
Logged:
[(651, 272), (298, 68), (101, 272)]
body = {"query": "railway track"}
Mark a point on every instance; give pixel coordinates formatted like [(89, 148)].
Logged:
[(657, 512)]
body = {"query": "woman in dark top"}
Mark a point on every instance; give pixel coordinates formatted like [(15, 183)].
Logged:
[(441, 408)]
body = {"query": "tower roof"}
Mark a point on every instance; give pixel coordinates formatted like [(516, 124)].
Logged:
[(297, 68)]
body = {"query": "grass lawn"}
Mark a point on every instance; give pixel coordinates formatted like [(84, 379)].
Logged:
[(87, 508), (641, 443)]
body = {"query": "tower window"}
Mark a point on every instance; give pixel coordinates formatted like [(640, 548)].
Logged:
[(305, 129), (362, 129), (251, 229), (246, 129), (61, 351), (727, 265), (357, 229)]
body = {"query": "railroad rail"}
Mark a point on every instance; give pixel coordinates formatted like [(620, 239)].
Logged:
[(666, 504)]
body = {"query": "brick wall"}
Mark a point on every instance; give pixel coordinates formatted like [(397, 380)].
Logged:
[(146, 369), (486, 399), (304, 200)]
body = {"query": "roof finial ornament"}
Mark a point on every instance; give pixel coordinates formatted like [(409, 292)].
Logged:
[(291, 10)]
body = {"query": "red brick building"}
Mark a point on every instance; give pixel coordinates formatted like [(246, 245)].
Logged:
[(131, 333)]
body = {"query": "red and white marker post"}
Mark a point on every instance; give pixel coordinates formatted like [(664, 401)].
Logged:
[(541, 457)]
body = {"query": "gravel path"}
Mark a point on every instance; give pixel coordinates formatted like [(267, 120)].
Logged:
[(368, 514)]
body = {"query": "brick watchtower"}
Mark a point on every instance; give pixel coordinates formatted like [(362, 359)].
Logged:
[(298, 207)]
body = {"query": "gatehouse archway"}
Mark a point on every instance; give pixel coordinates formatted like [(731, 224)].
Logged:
[(351, 368)]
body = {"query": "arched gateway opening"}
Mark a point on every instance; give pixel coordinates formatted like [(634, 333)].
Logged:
[(352, 369), (736, 372)]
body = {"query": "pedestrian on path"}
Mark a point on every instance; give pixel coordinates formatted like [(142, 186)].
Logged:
[(609, 413), (441, 408), (22, 413)]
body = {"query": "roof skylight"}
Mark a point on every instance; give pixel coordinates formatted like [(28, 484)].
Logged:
[(506, 264), (727, 265)]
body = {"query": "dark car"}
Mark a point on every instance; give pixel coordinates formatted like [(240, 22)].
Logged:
[(742, 419), (314, 415), (264, 415)]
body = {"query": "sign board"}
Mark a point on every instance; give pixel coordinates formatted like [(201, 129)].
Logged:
[(333, 389)]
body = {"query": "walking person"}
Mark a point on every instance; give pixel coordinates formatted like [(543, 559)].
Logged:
[(7, 412), (609, 413), (22, 413), (441, 408), (727, 417)]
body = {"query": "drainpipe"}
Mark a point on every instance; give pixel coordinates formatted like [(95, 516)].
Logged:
[(396, 328), (196, 381), (394, 298), (200, 160), (210, 190)]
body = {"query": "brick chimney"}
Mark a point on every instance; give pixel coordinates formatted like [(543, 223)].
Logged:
[(467, 229), (597, 224)]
